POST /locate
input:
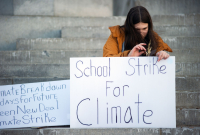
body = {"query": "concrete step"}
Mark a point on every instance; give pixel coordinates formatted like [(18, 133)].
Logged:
[(187, 69), (181, 131), (63, 56), (94, 43), (35, 70), (186, 55), (103, 32), (169, 7), (85, 32), (190, 84), (178, 30), (6, 81), (62, 70), (180, 19), (188, 100), (45, 57), (68, 131), (10, 81), (182, 42), (188, 117), (61, 44), (109, 131), (14, 27), (183, 84)]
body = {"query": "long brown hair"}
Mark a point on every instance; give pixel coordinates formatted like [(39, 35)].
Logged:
[(132, 36)]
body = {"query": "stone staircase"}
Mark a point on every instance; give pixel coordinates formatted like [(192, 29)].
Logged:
[(37, 48)]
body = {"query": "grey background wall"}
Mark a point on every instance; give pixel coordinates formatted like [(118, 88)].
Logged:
[(95, 7), (121, 7), (57, 7), (37, 38), (155, 7), (6, 7)]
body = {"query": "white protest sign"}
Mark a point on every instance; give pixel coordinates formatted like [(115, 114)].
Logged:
[(123, 92), (34, 104)]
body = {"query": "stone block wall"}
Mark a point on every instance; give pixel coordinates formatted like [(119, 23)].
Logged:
[(63, 8)]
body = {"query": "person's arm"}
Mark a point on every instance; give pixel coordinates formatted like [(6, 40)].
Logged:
[(162, 47), (111, 48)]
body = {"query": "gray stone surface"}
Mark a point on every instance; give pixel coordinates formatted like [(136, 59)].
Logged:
[(32, 80), (33, 7), (103, 32), (6, 7), (21, 132), (181, 131), (14, 27), (63, 56), (182, 42), (181, 19), (189, 55), (109, 131), (191, 84), (187, 69), (45, 57), (35, 70), (122, 7), (6, 81), (68, 131), (163, 7), (188, 117), (10, 81), (178, 30), (86, 32), (188, 100), (61, 44), (83, 8), (95, 43)]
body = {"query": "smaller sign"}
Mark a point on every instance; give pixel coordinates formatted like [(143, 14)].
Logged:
[(35, 104)]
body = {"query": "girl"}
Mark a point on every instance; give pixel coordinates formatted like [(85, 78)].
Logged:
[(136, 37)]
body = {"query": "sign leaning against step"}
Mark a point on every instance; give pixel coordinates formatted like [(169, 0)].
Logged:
[(120, 92), (35, 104)]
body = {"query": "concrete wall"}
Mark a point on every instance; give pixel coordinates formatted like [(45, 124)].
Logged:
[(6, 7), (83, 8), (14, 27), (155, 7), (33, 7), (57, 7), (95, 7), (168, 7), (121, 7)]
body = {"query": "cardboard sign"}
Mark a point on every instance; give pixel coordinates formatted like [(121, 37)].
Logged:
[(34, 104), (136, 92)]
